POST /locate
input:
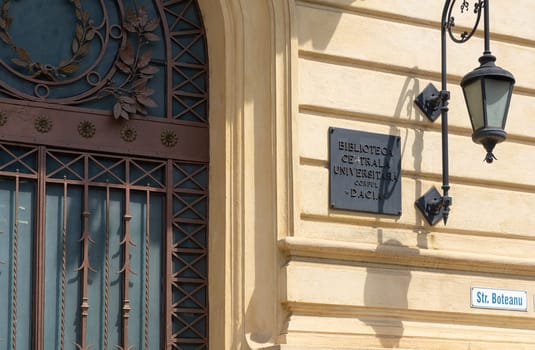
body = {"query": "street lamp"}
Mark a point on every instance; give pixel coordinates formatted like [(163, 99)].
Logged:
[(487, 92)]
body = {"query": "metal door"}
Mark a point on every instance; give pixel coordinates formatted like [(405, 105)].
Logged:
[(104, 177)]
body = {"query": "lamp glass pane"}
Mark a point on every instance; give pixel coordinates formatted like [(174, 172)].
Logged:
[(474, 101), (497, 92)]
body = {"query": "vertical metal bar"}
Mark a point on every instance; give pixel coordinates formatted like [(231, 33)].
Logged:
[(64, 264), (444, 112), (86, 240), (168, 273), (207, 248), (443, 33), (15, 263), (147, 268), (107, 270), (487, 27), (39, 253), (169, 65), (126, 269)]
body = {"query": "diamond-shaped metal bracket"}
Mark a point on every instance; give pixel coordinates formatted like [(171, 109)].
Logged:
[(430, 204), (429, 102)]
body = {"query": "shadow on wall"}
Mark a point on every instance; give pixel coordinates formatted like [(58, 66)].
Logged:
[(385, 294), (405, 108), (320, 42)]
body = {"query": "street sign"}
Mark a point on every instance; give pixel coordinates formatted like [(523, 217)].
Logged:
[(499, 299)]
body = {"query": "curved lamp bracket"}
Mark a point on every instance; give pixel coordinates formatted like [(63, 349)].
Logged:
[(434, 103), (465, 7)]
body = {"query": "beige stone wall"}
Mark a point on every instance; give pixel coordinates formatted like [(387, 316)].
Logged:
[(249, 54), (287, 272), (365, 281)]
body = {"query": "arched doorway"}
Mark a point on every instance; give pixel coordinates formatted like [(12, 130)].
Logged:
[(103, 175)]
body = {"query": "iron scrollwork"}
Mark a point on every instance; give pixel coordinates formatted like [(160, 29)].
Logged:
[(477, 7)]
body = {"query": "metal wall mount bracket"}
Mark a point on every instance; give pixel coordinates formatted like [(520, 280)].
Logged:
[(431, 206), (429, 102)]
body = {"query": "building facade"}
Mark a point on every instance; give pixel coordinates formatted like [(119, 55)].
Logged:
[(225, 232)]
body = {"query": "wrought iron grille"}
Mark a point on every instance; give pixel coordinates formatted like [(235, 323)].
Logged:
[(111, 251), (130, 57), (103, 175)]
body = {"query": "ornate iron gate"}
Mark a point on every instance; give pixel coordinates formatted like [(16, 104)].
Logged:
[(104, 179)]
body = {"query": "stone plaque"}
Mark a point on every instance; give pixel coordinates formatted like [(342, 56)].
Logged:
[(364, 171)]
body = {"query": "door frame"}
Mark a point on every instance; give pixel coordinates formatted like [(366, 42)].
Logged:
[(252, 51)]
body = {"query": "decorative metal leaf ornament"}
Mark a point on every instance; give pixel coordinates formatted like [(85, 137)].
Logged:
[(84, 33), (131, 94), (107, 55), (132, 97), (68, 68)]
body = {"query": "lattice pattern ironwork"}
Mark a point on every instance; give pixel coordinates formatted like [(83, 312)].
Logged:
[(15, 158), (188, 48), (81, 190), (190, 271), (105, 221)]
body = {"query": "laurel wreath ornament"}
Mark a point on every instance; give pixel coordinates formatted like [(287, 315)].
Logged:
[(132, 95), (85, 32)]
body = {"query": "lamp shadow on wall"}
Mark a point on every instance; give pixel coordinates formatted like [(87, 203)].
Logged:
[(385, 296), (405, 109), (386, 288)]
